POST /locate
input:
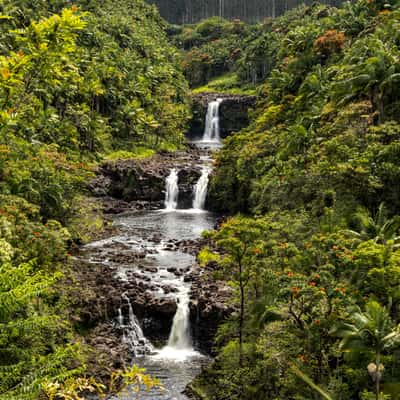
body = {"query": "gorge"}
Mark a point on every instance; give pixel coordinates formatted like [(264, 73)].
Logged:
[(165, 275), (212, 207)]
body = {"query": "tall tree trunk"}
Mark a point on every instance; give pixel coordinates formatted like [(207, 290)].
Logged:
[(241, 315), (377, 381)]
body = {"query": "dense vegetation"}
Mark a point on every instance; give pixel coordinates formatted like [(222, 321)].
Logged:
[(75, 84), (313, 251), (314, 256), (192, 11), (212, 48)]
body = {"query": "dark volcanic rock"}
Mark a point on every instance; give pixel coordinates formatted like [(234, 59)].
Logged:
[(110, 353), (136, 182), (210, 305), (233, 112)]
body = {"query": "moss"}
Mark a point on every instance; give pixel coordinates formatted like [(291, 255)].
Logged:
[(138, 154), (228, 84)]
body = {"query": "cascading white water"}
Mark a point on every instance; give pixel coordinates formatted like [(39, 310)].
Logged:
[(172, 190), (120, 317), (180, 338), (212, 130), (200, 190), (132, 332)]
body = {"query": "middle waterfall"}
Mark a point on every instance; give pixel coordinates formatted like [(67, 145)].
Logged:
[(200, 190), (172, 190)]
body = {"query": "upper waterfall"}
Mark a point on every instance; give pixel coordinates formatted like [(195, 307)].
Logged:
[(212, 128), (172, 190)]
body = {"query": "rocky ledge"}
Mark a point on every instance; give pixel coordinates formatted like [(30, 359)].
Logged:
[(210, 305), (233, 112), (141, 183)]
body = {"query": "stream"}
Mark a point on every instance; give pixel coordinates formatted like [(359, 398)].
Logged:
[(177, 362)]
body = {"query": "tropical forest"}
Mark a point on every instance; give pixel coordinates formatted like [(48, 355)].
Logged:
[(199, 200)]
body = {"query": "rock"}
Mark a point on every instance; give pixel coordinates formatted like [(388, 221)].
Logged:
[(151, 269), (166, 307), (140, 184), (210, 305), (169, 289)]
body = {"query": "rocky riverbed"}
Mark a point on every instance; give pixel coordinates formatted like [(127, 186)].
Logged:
[(143, 258)]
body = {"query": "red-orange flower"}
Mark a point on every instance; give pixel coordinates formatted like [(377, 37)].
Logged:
[(296, 290), (303, 358)]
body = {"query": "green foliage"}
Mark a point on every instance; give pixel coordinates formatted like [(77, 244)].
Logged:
[(212, 48), (132, 379), (318, 169), (125, 155), (78, 82), (31, 349), (103, 79)]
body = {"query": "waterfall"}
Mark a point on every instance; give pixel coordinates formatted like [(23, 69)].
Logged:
[(132, 332), (180, 338), (211, 131), (172, 190), (120, 317), (200, 190)]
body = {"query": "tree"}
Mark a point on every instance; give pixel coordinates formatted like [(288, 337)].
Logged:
[(240, 241), (378, 228), (371, 331)]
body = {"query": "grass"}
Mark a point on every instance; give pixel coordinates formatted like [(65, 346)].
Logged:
[(226, 84), (127, 150), (139, 154)]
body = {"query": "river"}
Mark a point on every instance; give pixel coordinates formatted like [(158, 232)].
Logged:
[(177, 362)]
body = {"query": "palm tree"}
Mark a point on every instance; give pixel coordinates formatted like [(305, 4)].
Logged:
[(310, 382), (378, 228), (371, 331), (370, 69)]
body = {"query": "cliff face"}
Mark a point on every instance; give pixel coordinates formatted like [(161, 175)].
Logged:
[(191, 11), (233, 113)]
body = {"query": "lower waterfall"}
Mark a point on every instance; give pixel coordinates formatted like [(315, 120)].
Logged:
[(180, 337), (132, 331)]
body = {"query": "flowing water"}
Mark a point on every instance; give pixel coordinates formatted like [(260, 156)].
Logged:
[(211, 139), (212, 129), (132, 331), (200, 190), (177, 363), (172, 191)]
